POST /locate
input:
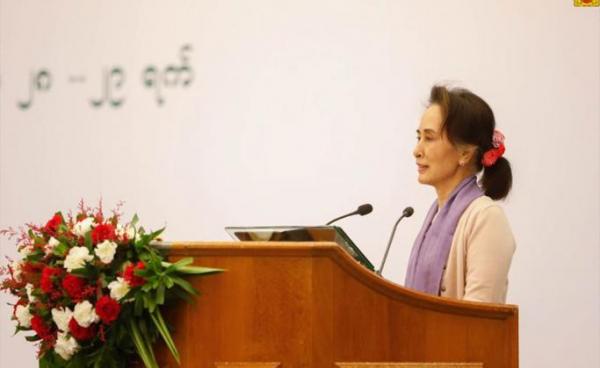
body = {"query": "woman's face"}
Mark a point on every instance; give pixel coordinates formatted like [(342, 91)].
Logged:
[(437, 159)]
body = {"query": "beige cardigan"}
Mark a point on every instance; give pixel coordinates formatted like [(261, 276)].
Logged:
[(480, 255)]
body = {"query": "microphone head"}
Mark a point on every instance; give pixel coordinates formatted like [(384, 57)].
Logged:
[(364, 209), (408, 211)]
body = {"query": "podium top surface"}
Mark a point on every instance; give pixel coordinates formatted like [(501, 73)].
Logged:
[(343, 260)]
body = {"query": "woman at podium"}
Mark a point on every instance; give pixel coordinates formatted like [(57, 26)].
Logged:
[(465, 246)]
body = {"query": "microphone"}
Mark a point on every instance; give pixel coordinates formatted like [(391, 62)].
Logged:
[(408, 211), (362, 210)]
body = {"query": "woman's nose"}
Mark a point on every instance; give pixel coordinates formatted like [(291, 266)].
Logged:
[(417, 152)]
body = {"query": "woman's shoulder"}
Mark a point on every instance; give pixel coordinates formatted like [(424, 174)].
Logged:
[(484, 204), (484, 210)]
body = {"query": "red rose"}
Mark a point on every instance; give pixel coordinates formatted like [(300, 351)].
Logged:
[(74, 286), (51, 226), (81, 333), (32, 267), (103, 232), (41, 328), (49, 274), (131, 278), (107, 309)]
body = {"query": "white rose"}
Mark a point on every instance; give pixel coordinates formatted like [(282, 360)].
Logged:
[(16, 270), (119, 231), (62, 317), (83, 226), (85, 314), (131, 232), (65, 346), (77, 257), (29, 289), (118, 288), (25, 250), (52, 243), (106, 251), (128, 231), (23, 315)]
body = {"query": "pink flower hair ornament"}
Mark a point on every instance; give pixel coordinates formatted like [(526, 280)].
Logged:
[(493, 154)]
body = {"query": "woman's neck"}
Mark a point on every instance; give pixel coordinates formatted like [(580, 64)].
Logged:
[(447, 187)]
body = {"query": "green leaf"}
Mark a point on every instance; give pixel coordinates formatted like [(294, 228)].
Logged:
[(197, 270), (46, 361), (146, 272), (154, 281), (77, 361), (168, 281), (60, 250), (155, 234), (185, 285), (144, 299), (183, 295), (139, 306), (148, 335), (43, 363), (83, 271), (164, 332), (160, 294), (183, 262), (149, 302), (135, 220), (62, 228), (142, 345), (88, 241)]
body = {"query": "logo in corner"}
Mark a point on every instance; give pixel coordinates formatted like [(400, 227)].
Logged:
[(584, 3)]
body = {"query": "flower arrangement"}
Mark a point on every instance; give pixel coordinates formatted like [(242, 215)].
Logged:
[(90, 289)]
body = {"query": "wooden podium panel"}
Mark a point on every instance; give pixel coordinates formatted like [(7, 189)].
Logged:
[(312, 305), (409, 365)]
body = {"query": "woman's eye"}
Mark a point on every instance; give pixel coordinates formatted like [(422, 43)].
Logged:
[(426, 138)]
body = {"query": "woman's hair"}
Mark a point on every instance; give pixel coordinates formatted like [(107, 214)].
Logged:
[(468, 119)]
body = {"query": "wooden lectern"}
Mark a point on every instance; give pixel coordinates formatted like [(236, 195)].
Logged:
[(296, 305)]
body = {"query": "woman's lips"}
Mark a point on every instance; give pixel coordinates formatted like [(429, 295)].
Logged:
[(421, 168)]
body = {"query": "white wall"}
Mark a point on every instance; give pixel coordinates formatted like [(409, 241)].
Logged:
[(301, 110)]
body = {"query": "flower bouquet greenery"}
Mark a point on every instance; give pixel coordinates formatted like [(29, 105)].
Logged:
[(90, 288)]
